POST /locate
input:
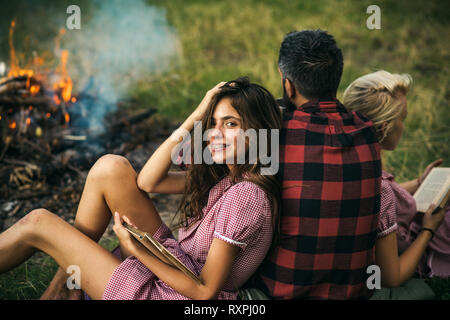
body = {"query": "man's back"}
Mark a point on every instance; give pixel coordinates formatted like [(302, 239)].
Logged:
[(330, 172)]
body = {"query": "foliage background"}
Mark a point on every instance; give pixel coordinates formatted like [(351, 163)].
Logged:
[(221, 40)]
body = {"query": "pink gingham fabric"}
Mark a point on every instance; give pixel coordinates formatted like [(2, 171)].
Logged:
[(391, 204), (399, 212), (235, 213)]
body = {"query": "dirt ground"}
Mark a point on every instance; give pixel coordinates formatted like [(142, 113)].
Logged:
[(60, 190)]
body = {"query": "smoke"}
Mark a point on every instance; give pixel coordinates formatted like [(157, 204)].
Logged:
[(119, 43)]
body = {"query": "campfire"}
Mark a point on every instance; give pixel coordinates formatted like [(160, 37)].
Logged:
[(45, 148), (34, 99)]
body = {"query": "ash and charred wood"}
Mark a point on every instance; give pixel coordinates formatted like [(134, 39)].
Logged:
[(7, 80), (17, 162), (12, 87), (74, 138), (15, 210), (3, 152), (29, 195), (130, 120), (35, 101), (25, 79), (45, 152), (17, 84), (83, 134)]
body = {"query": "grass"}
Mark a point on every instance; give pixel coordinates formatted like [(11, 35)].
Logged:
[(30, 279), (222, 40)]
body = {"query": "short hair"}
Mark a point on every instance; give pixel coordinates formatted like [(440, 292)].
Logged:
[(312, 61), (375, 95)]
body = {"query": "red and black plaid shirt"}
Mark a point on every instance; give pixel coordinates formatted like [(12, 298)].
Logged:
[(330, 170)]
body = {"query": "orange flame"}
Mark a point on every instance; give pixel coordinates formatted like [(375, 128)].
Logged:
[(12, 53), (62, 85), (34, 89), (56, 99), (15, 70), (65, 84)]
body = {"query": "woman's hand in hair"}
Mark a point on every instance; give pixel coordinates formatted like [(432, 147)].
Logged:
[(155, 175), (203, 106)]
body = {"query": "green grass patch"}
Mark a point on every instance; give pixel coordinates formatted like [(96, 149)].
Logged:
[(29, 280), (441, 288), (222, 40)]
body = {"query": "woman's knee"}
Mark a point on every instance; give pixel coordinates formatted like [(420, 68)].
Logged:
[(36, 216), (112, 166), (35, 221)]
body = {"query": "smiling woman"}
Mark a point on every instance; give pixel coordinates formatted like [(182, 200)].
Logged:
[(223, 136), (239, 106), (225, 233)]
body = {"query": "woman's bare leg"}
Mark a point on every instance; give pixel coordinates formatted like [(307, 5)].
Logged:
[(42, 230), (110, 186)]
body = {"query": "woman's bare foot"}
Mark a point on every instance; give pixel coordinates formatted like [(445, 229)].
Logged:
[(58, 290)]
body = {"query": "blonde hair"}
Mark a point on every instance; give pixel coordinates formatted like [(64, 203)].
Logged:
[(376, 96)]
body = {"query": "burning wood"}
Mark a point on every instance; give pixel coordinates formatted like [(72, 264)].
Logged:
[(44, 157), (25, 89)]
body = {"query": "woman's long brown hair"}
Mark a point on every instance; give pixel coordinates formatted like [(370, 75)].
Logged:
[(258, 110)]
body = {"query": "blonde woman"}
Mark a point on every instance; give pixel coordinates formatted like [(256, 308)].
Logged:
[(423, 248)]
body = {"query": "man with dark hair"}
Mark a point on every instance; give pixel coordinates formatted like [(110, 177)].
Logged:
[(330, 171), (312, 63)]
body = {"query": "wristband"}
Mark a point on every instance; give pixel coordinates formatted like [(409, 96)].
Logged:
[(428, 229)]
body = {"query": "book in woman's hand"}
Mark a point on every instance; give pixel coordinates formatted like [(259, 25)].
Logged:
[(435, 189), (160, 251)]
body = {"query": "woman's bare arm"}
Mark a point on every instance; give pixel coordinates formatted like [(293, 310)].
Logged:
[(396, 270), (155, 175), (216, 270), (217, 267)]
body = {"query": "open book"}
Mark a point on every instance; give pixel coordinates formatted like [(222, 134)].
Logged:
[(160, 251), (434, 189)]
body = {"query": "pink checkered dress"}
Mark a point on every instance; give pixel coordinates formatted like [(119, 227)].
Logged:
[(398, 213), (238, 214)]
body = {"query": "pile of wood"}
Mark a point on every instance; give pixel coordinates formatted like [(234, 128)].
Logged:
[(44, 161), (27, 109)]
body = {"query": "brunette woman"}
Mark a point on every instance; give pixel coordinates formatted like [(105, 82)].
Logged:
[(228, 213)]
